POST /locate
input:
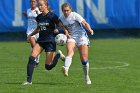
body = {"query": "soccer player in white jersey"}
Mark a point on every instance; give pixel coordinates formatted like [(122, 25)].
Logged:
[(31, 15), (73, 22)]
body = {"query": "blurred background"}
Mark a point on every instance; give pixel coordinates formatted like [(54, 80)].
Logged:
[(108, 18)]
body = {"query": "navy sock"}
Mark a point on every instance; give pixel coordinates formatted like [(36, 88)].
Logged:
[(30, 68), (55, 60), (84, 62), (48, 67)]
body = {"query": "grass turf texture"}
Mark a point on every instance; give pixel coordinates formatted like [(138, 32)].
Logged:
[(108, 72)]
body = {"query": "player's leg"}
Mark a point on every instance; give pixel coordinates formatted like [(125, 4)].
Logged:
[(51, 58), (68, 59), (33, 42), (83, 50), (38, 57), (31, 63)]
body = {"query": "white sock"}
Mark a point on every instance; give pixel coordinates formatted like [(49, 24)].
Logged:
[(68, 61), (86, 70), (37, 59)]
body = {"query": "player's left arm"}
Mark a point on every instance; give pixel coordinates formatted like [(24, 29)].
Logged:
[(84, 23), (56, 30)]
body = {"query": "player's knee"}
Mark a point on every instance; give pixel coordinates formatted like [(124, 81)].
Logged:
[(84, 58), (31, 60), (48, 67), (84, 62)]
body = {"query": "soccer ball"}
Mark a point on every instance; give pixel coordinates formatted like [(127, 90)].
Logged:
[(61, 39)]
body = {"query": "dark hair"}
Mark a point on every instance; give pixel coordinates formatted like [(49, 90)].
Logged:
[(66, 5)]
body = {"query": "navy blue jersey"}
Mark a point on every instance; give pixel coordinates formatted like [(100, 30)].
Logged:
[(47, 25)]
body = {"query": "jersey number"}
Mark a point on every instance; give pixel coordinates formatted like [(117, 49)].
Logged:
[(43, 28)]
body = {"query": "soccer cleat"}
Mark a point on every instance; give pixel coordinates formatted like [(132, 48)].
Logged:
[(27, 83), (65, 71), (88, 81), (62, 56)]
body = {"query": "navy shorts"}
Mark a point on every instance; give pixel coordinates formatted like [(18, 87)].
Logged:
[(48, 46)]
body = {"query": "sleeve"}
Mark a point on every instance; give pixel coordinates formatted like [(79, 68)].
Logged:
[(78, 17)]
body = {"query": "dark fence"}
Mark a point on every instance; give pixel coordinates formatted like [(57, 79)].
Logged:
[(103, 33)]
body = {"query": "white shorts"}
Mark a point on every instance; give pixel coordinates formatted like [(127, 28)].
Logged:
[(36, 36), (79, 41)]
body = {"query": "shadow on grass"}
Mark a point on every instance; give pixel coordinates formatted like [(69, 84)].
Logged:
[(42, 83)]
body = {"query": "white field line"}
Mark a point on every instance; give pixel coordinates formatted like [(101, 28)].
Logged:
[(122, 65)]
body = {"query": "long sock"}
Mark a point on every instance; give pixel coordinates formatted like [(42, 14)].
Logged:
[(55, 60), (30, 68), (48, 67), (86, 68), (68, 61), (86, 71)]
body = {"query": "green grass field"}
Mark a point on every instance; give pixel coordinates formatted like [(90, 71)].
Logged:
[(114, 68)]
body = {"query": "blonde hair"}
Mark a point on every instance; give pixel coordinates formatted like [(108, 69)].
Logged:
[(66, 5), (46, 3)]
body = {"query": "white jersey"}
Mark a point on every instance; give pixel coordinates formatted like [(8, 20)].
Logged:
[(73, 24), (32, 24)]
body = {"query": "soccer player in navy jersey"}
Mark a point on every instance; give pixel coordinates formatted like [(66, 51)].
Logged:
[(46, 22)]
